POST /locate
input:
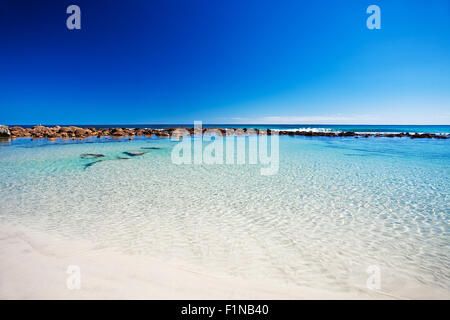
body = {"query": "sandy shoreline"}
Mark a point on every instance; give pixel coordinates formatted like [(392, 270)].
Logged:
[(34, 266)]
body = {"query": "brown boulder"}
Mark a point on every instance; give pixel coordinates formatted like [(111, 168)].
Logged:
[(80, 132), (64, 129), (118, 132), (163, 134), (19, 132)]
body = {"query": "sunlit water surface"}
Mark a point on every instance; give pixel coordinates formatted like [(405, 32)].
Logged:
[(335, 207)]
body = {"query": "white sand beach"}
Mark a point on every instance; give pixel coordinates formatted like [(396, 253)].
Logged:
[(34, 266)]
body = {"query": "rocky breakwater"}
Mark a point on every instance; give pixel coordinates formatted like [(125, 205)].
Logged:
[(72, 132), (364, 135)]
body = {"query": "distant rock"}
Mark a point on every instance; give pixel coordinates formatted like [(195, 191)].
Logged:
[(80, 132), (346, 134), (161, 133), (4, 132), (151, 148), (117, 132), (19, 132)]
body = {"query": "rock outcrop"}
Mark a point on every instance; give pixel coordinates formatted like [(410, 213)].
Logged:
[(52, 133), (4, 132)]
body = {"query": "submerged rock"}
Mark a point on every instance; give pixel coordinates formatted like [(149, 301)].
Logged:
[(90, 164), (4, 131), (150, 148), (92, 155), (135, 153)]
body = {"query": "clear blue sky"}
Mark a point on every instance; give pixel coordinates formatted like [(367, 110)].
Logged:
[(233, 61)]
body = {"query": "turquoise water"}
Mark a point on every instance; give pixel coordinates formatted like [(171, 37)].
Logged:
[(335, 207)]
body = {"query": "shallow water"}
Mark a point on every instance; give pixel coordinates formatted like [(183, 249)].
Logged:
[(335, 207)]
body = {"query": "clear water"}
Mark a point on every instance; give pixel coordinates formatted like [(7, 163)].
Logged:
[(335, 207)]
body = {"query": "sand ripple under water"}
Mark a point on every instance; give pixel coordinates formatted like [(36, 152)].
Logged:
[(335, 208)]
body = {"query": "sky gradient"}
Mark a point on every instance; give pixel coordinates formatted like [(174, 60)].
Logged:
[(303, 62)]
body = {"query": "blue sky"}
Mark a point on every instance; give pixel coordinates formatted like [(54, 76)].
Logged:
[(225, 62)]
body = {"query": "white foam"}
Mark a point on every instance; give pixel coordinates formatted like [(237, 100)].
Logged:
[(307, 129)]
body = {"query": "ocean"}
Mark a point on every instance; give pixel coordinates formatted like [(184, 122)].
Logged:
[(336, 209)]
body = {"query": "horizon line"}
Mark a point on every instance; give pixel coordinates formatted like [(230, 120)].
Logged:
[(240, 124)]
